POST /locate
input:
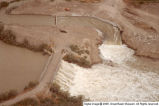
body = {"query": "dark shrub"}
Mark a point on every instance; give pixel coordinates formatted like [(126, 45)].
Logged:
[(31, 85), (1, 27), (60, 98), (8, 37), (55, 88), (84, 62), (46, 102), (12, 93), (25, 43), (68, 0), (27, 102), (77, 50), (44, 46), (81, 61), (63, 98), (8, 95), (74, 48), (3, 4)]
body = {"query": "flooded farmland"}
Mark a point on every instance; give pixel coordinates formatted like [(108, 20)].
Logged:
[(19, 66)]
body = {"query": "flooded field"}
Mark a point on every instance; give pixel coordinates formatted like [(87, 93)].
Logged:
[(18, 66)]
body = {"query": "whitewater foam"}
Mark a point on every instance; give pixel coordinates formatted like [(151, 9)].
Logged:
[(106, 83), (116, 53)]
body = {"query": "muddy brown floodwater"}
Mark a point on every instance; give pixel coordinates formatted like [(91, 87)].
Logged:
[(19, 66)]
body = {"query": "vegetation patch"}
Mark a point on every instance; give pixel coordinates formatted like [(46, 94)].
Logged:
[(137, 3), (1, 27), (27, 102), (57, 98), (145, 1), (31, 85), (86, 1), (62, 98), (7, 36), (3, 4), (8, 95), (81, 61), (77, 50), (13, 1), (13, 93)]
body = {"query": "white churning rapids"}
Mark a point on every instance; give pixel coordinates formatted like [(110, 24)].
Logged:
[(103, 82)]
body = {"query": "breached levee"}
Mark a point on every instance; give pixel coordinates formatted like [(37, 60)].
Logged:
[(104, 82), (114, 79)]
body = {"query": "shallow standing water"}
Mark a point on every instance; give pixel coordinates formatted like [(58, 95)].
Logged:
[(18, 66)]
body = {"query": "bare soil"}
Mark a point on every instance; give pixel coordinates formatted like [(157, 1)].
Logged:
[(139, 24)]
